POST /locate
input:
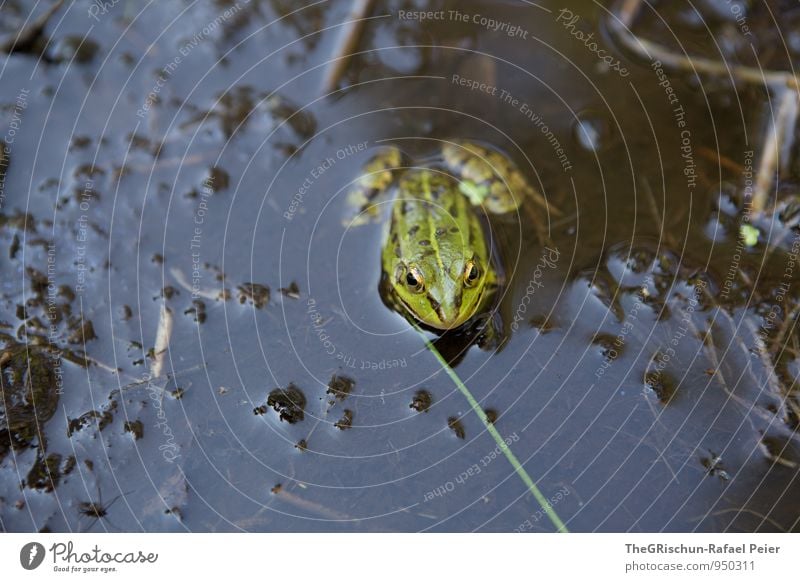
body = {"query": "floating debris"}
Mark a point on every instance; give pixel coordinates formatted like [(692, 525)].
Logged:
[(289, 403), (346, 421), (73, 49), (292, 291), (255, 293), (136, 428), (197, 311), (217, 180), (31, 39), (662, 385), (169, 292), (714, 467), (237, 108), (422, 401), (457, 427), (103, 418), (340, 387), (45, 473)]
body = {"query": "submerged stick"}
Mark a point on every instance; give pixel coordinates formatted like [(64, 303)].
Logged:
[(347, 44), (620, 26), (163, 336), (28, 35), (502, 445), (777, 136)]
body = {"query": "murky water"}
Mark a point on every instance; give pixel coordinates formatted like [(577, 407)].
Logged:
[(181, 169)]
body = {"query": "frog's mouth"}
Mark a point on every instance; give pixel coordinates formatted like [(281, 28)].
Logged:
[(441, 324)]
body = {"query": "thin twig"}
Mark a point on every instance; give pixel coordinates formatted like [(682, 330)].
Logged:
[(786, 327), (134, 383), (181, 279), (99, 364), (311, 506)]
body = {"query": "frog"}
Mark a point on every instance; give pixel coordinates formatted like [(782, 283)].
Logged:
[(439, 268)]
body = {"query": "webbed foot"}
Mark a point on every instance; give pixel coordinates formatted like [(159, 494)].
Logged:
[(491, 332)]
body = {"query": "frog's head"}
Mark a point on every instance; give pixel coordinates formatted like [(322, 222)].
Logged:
[(441, 298)]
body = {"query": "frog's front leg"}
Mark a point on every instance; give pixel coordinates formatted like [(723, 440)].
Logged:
[(372, 187)]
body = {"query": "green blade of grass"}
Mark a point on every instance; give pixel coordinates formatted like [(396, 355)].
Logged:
[(518, 468)]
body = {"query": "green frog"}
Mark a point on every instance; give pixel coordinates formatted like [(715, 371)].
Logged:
[(439, 268)]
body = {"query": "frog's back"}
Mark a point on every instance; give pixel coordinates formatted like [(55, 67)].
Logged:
[(431, 217)]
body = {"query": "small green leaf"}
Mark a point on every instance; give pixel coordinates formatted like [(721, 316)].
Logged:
[(749, 234)]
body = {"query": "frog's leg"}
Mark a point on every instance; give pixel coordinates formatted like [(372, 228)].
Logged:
[(489, 178), (372, 187), (493, 181)]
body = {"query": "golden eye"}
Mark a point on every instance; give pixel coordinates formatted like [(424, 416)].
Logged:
[(414, 280), (471, 273)]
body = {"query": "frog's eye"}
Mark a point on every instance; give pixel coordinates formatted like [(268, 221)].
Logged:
[(414, 280), (471, 273)]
